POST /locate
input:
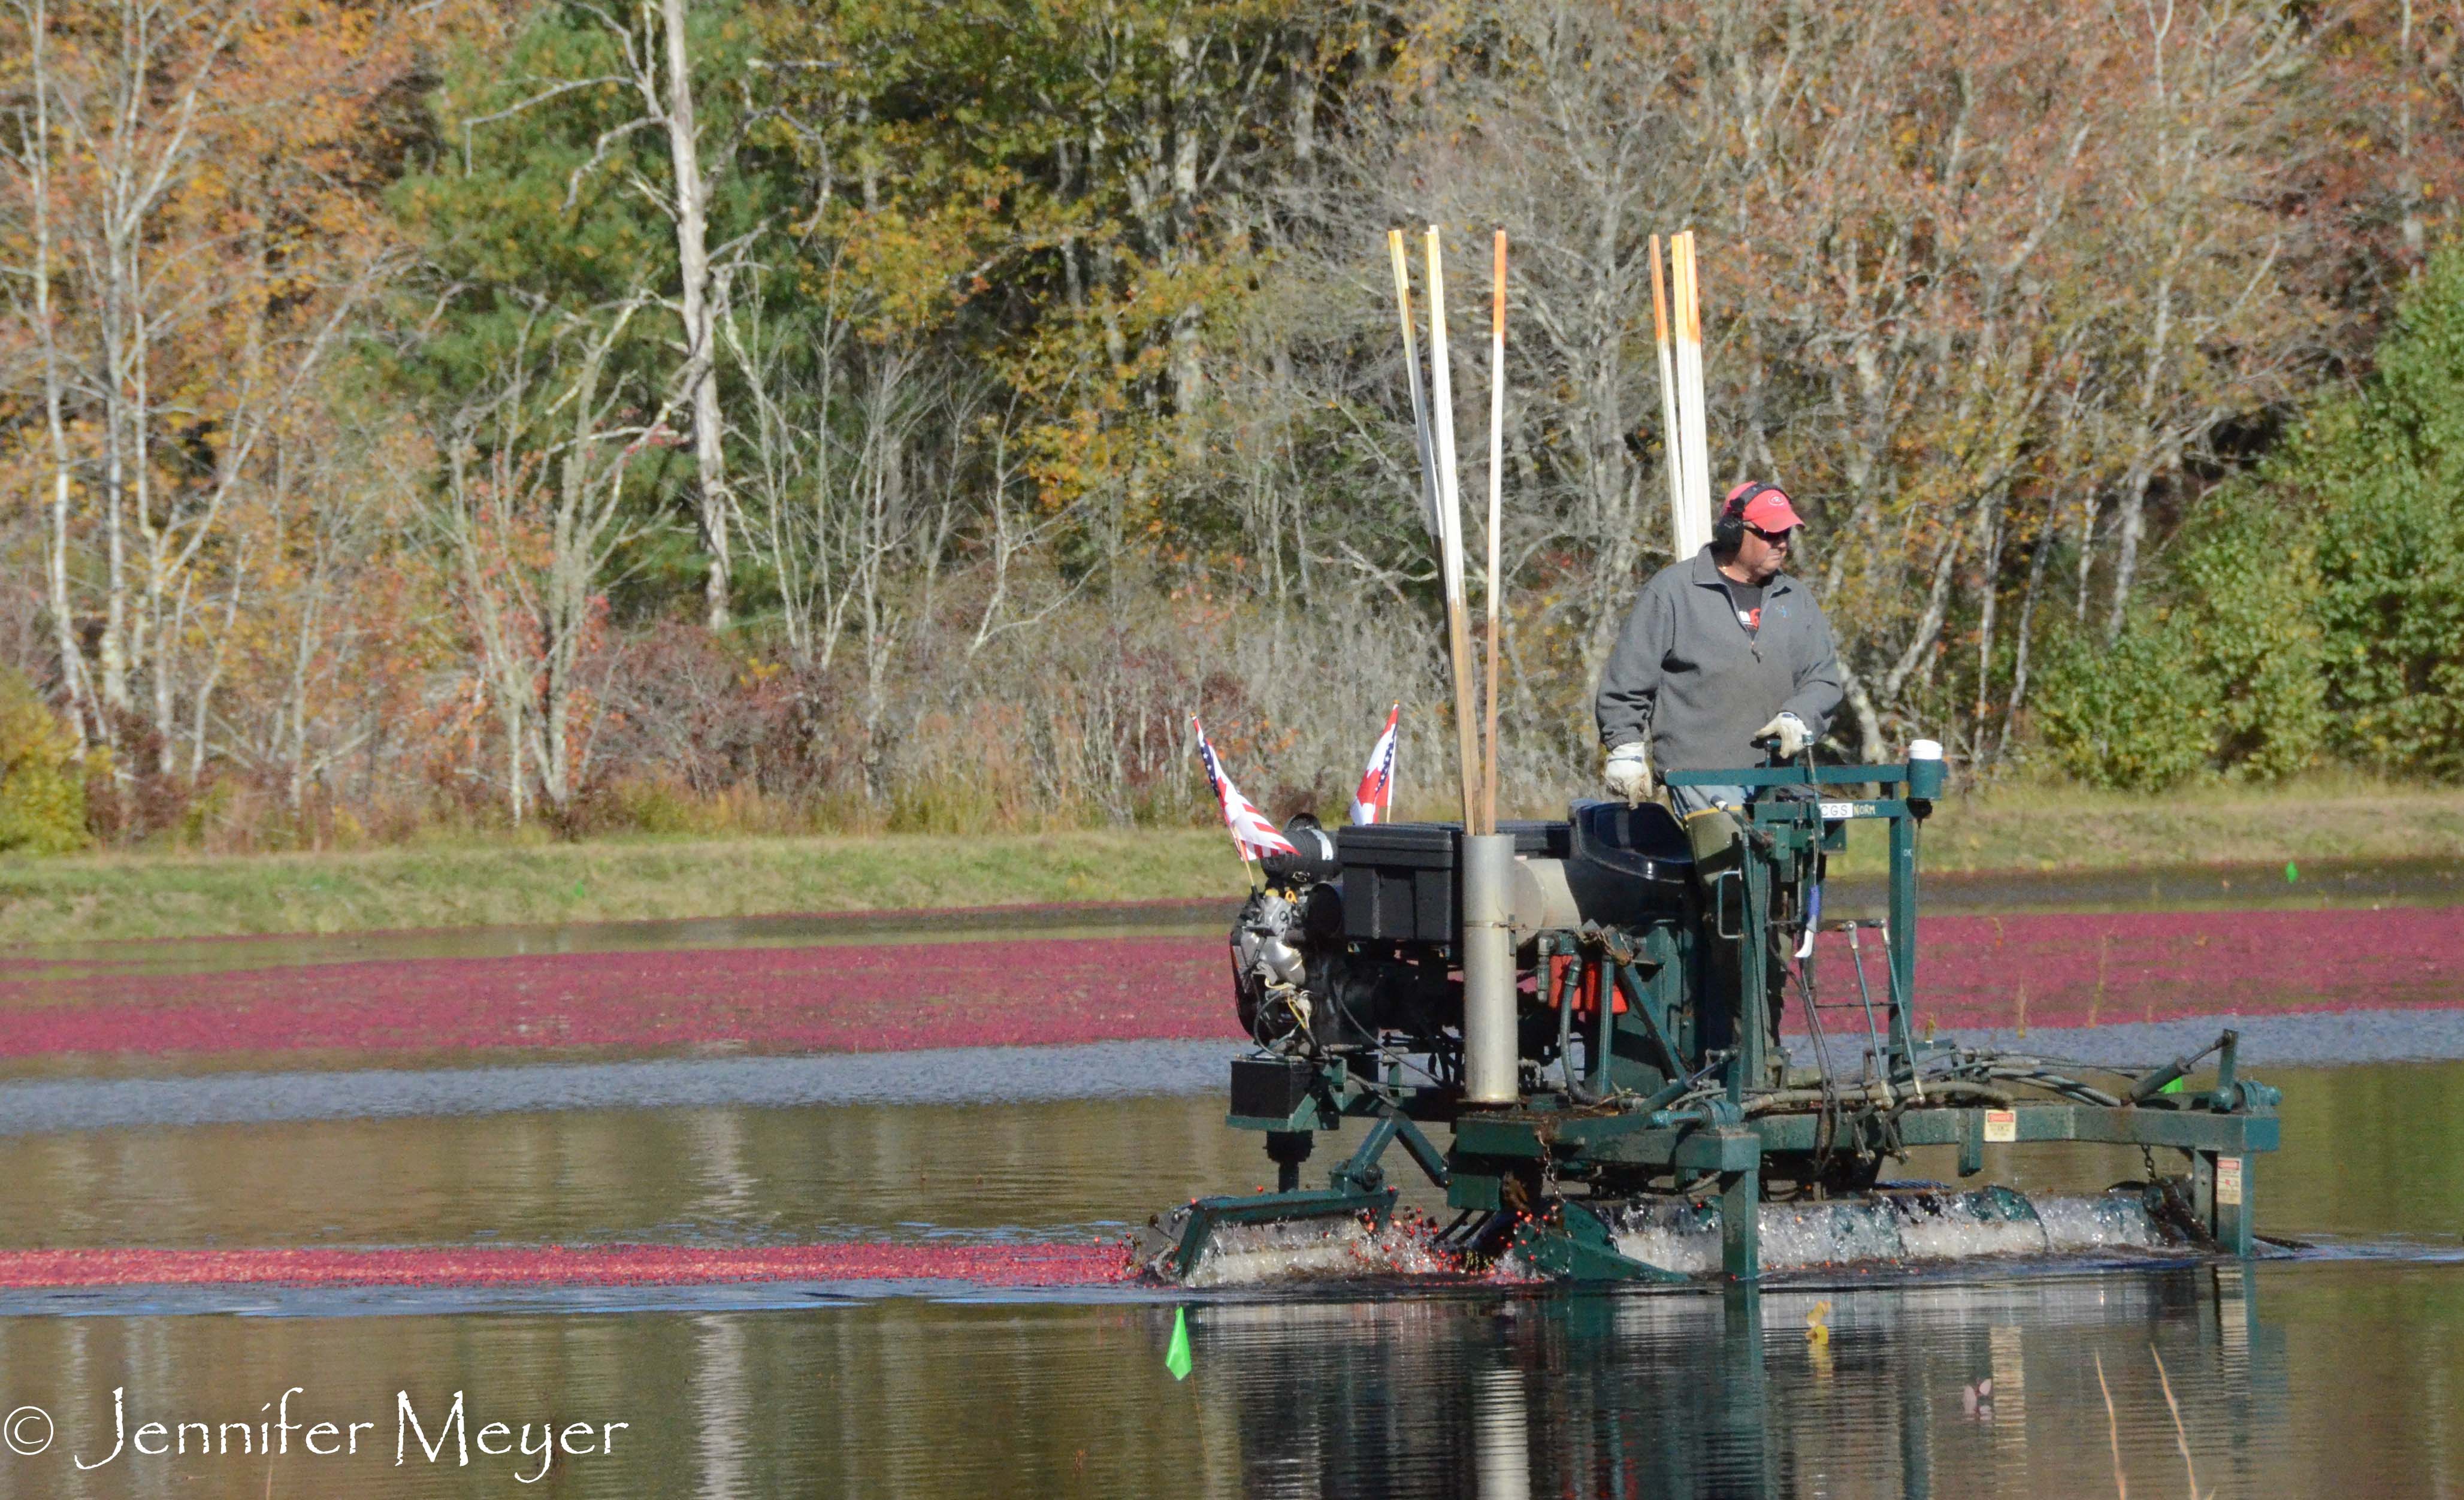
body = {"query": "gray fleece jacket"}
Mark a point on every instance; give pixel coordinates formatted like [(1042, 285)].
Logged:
[(1688, 677)]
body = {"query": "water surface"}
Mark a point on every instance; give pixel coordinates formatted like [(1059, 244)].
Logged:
[(2290, 1379), (2367, 1151), (2340, 1372)]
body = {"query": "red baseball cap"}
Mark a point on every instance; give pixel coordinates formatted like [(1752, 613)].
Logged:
[(1769, 510)]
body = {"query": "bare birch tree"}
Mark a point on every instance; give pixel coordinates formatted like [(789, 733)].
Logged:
[(532, 514)]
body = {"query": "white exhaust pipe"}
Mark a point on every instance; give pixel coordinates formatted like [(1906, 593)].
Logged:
[(1492, 1072)]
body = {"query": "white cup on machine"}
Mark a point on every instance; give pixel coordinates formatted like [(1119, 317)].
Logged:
[(1925, 771)]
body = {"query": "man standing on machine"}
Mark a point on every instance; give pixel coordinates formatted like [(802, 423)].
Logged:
[(1721, 648)]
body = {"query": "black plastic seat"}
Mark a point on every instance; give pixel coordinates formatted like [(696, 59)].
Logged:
[(1647, 841)]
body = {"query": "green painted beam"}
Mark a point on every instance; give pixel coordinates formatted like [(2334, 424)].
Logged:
[(1627, 1139), (1722, 1151)]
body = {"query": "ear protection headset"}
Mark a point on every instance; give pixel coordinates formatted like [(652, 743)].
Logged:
[(1728, 531)]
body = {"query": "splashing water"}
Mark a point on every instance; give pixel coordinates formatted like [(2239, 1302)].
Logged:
[(1894, 1227), (1948, 1227), (1240, 1255), (2114, 1222)]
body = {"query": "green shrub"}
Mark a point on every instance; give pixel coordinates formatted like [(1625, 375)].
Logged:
[(42, 788), (2384, 474), (2245, 615), (2317, 607), (2219, 670), (2136, 715)]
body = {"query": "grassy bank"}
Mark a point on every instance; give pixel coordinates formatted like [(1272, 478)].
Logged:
[(484, 884), (474, 885)]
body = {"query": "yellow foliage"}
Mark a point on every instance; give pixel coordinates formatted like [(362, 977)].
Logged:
[(42, 792)]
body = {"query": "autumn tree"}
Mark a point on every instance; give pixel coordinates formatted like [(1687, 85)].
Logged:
[(197, 190)]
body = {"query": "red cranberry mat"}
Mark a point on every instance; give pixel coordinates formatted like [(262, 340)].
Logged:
[(888, 997), (553, 1265), (2067, 970), (2033, 969)]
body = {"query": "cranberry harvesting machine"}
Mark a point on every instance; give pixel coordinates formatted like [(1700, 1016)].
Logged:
[(1592, 1007)]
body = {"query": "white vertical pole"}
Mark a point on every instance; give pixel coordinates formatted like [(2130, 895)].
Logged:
[(1672, 425), (1420, 403), (1491, 1074), (1496, 522), (1442, 413)]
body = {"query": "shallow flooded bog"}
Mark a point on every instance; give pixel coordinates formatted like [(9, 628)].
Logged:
[(303, 1106), (2343, 1370), (2331, 884), (2368, 1151)]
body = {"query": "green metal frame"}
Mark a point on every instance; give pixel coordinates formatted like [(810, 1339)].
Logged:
[(1356, 1188), (1797, 827), (1493, 1145)]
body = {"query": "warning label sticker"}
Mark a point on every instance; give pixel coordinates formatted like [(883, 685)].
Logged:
[(2229, 1179), (2001, 1125)]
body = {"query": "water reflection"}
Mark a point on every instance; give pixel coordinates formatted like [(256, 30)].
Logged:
[(1645, 1395), (2303, 1378)]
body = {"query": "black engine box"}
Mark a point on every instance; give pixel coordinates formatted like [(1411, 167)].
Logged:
[(1399, 878), (1270, 1088)]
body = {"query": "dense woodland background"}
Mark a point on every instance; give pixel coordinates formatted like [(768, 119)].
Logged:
[(896, 414)]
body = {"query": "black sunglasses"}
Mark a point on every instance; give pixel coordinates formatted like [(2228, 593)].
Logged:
[(1777, 538)]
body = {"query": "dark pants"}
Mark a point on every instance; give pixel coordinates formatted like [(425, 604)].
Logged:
[(1714, 857)]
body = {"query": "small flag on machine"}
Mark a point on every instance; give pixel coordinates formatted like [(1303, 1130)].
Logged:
[(1251, 832), (1375, 801)]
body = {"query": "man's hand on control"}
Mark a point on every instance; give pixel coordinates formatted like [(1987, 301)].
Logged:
[(1629, 772), (1791, 733)]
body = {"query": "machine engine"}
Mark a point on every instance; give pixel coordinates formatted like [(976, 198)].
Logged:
[(1358, 933)]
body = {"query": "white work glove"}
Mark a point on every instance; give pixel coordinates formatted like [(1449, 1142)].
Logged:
[(1791, 733), (1629, 772)]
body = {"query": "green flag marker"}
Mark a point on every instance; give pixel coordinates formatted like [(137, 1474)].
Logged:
[(2291, 874), (2175, 1087), (1177, 1358)]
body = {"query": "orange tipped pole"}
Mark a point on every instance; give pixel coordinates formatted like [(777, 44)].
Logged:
[(1694, 506)]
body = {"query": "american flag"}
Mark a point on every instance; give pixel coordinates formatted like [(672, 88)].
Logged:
[(1251, 833), (1375, 801)]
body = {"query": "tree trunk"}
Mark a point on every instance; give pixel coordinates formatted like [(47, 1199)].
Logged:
[(2027, 621), (1870, 748), (1181, 226), (2086, 556), (2130, 525), (1989, 595), (55, 558), (116, 702), (700, 316), (1928, 624), (2408, 174)]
